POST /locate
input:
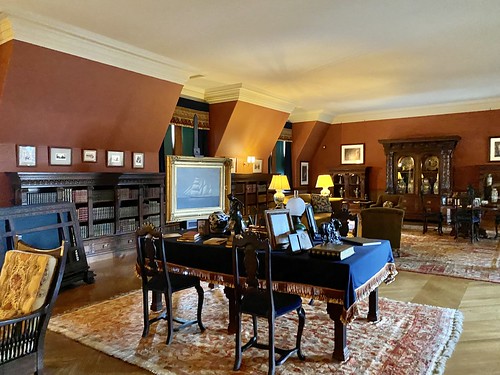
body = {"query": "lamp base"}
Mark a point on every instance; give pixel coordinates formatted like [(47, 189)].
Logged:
[(279, 198), (297, 224), (325, 192)]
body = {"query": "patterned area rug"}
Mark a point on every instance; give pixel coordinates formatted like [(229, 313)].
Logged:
[(408, 339), (444, 255)]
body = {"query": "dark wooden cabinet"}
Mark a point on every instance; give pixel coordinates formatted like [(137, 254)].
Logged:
[(350, 182), (109, 206), (253, 191), (419, 168)]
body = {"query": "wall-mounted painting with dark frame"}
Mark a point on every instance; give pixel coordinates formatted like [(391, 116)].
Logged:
[(114, 158), (304, 173), (279, 226), (137, 160), (494, 148), (89, 156), (26, 156), (59, 156), (196, 187), (353, 154)]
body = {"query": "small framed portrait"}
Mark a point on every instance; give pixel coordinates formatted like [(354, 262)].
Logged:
[(494, 148), (294, 246), (352, 154), (59, 156), (137, 160), (304, 173), (89, 156), (114, 158), (26, 156), (257, 166), (304, 239), (203, 227), (279, 226)]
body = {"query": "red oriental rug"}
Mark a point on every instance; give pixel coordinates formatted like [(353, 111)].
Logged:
[(408, 339), (443, 255)]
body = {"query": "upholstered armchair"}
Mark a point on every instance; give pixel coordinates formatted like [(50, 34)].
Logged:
[(393, 198), (383, 223)]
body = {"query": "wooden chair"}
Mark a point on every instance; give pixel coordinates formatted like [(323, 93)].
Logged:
[(466, 218), (155, 277), (22, 337), (383, 223), (257, 301), (431, 214)]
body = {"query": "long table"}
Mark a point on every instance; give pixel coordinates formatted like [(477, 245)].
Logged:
[(340, 283)]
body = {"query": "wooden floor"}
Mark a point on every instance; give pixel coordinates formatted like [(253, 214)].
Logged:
[(478, 351)]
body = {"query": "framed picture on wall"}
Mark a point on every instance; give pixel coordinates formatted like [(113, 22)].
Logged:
[(114, 159), (59, 156), (234, 162), (26, 156), (89, 156), (352, 154), (257, 166), (137, 160), (494, 148), (304, 173)]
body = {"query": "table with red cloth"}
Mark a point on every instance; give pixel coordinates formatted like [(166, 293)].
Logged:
[(340, 283)]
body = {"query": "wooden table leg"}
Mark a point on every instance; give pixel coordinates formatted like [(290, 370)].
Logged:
[(373, 306), (340, 350), (156, 304), (229, 293)]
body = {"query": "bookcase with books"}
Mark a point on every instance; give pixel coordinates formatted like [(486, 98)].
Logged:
[(109, 206), (253, 191)]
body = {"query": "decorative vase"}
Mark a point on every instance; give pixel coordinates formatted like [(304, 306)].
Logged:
[(218, 222), (489, 180), (426, 186), (435, 188), (401, 186), (410, 186)]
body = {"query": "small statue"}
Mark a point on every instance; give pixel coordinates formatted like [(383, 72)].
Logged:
[(236, 223), (330, 231)]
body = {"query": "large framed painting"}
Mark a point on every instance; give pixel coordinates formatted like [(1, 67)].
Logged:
[(196, 187), (353, 154)]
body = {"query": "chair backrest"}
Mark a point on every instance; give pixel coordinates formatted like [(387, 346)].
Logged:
[(248, 253), (383, 223), (150, 254)]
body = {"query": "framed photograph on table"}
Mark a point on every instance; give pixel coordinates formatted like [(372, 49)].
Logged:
[(279, 226), (59, 156), (494, 148), (26, 156), (352, 154), (114, 158), (304, 173), (89, 156)]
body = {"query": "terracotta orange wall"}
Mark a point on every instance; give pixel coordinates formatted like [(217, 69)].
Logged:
[(49, 98), (239, 129), (475, 128), (307, 138)]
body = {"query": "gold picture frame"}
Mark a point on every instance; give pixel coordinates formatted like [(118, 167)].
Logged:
[(279, 225)]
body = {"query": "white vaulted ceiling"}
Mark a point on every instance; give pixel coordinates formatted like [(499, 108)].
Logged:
[(339, 60)]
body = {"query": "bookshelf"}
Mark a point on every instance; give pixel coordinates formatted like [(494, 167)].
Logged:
[(109, 206), (253, 191)]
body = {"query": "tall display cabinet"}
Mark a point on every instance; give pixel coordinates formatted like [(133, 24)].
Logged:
[(419, 169)]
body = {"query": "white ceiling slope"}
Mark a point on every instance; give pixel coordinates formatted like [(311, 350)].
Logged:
[(331, 60)]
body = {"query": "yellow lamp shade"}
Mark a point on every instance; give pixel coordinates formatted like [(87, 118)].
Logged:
[(279, 183), (324, 181)]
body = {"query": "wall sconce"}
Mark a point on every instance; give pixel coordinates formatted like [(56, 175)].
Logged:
[(324, 181), (279, 183), (250, 160)]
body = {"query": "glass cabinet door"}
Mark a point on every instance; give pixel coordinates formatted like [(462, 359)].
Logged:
[(405, 183), (430, 174)]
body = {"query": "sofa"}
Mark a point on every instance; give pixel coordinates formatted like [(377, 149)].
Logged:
[(322, 208)]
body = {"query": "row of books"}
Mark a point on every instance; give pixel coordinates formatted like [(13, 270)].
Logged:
[(189, 236), (126, 193), (103, 213), (37, 198)]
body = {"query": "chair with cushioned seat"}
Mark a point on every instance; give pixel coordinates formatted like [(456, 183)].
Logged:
[(155, 277), (249, 254), (26, 306), (466, 217), (383, 223)]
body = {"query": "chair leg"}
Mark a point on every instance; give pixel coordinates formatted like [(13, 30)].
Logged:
[(237, 350), (424, 230), (169, 317), (201, 296), (272, 353), (302, 321), (145, 305)]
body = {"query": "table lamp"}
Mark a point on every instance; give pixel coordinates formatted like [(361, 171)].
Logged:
[(279, 183), (324, 181), (297, 206)]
